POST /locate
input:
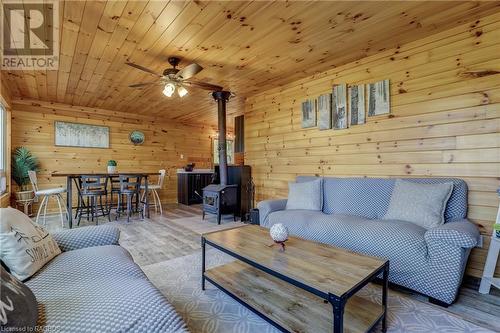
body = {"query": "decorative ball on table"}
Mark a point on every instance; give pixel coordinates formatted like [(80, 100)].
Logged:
[(279, 234)]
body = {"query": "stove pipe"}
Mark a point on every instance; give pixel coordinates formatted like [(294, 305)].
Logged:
[(222, 97)]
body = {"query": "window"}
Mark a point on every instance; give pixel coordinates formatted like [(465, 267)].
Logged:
[(3, 148), (229, 149)]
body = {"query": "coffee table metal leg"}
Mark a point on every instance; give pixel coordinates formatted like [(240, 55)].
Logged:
[(69, 201), (384, 296), (202, 263), (338, 304)]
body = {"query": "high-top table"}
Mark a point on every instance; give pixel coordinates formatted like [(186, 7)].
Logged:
[(74, 176), (291, 289)]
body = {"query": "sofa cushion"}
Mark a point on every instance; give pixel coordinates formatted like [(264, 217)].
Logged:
[(17, 304), (401, 242), (370, 197), (422, 204), (78, 238), (305, 195), (295, 219), (365, 197), (25, 245), (456, 208), (100, 289)]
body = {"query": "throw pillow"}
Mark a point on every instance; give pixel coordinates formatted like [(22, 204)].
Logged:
[(26, 246), (306, 195), (18, 306), (422, 204)]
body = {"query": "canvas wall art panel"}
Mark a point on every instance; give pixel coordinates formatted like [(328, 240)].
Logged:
[(357, 104), (339, 106), (378, 98), (324, 103), (81, 135), (308, 113)]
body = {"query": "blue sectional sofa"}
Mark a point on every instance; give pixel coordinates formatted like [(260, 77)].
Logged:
[(431, 261), (95, 286)]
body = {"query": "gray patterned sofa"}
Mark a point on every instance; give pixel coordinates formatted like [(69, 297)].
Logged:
[(95, 286), (431, 262)]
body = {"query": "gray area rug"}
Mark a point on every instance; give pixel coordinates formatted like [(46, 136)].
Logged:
[(209, 224), (211, 310)]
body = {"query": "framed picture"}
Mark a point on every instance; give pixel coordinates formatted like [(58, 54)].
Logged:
[(81, 135), (324, 104), (339, 106), (378, 98), (357, 104), (308, 114)]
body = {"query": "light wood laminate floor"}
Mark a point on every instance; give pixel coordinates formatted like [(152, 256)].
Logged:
[(177, 233)]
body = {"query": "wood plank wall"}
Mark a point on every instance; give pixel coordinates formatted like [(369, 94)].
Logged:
[(33, 127), (444, 122)]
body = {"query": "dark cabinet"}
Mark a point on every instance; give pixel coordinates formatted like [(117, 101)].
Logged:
[(190, 187)]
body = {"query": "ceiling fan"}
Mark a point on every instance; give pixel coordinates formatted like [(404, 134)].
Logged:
[(175, 79)]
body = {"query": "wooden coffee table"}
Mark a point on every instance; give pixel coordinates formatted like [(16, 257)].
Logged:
[(292, 290)]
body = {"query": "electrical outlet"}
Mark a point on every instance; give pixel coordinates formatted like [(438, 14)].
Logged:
[(182, 156), (480, 243)]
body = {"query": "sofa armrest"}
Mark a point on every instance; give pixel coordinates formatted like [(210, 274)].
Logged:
[(461, 233), (266, 207), (79, 238)]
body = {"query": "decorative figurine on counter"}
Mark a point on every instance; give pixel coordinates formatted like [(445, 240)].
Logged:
[(189, 167)]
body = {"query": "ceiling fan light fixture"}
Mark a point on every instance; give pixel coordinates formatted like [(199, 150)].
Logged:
[(169, 89), (175, 79), (182, 91)]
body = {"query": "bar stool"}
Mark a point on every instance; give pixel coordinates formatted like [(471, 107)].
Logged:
[(46, 194), (154, 188), (80, 200), (130, 187), (93, 189), (114, 181)]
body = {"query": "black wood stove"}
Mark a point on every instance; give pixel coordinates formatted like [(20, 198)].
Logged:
[(221, 198)]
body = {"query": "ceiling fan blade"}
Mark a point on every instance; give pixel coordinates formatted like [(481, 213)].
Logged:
[(202, 85), (138, 85), (189, 71), (150, 71)]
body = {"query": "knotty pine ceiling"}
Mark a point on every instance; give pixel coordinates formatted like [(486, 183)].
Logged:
[(245, 46)]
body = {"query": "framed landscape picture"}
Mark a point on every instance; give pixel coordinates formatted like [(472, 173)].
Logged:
[(308, 113), (357, 104), (339, 106), (378, 98), (324, 103), (81, 135)]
